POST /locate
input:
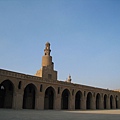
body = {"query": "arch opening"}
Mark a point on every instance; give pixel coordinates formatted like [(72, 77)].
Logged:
[(6, 94), (65, 99), (89, 101), (98, 101), (116, 99), (111, 102), (78, 97), (49, 98), (29, 97), (105, 101)]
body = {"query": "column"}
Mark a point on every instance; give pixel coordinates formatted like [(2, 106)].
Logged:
[(83, 103), (40, 101), (18, 99), (72, 103), (118, 102), (114, 104), (57, 103), (108, 103), (93, 103), (101, 103)]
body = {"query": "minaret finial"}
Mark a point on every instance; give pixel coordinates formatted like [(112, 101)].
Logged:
[(47, 49), (69, 79)]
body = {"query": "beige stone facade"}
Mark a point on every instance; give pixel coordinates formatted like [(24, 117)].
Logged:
[(44, 91)]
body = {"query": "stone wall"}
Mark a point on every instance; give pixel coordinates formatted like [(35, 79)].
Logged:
[(28, 89)]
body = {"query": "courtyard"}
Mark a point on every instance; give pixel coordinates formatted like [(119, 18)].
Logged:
[(25, 114)]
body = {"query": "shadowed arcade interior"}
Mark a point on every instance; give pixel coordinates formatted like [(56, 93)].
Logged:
[(29, 97), (98, 101), (116, 101), (65, 99), (105, 101), (111, 102), (49, 98), (89, 101), (6, 94), (78, 98)]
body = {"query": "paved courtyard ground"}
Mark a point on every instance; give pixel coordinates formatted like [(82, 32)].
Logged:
[(10, 114)]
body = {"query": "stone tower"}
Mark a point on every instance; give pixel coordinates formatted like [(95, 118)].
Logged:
[(47, 70)]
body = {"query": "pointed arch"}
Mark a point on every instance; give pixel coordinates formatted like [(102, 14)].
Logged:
[(111, 102), (116, 101), (105, 101), (65, 99), (89, 101), (78, 98), (29, 96), (98, 101), (6, 94), (49, 98)]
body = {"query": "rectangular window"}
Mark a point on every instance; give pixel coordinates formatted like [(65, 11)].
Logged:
[(49, 76), (58, 90), (19, 85), (73, 92), (84, 93), (41, 88)]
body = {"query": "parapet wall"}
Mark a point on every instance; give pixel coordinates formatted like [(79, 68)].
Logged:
[(107, 99)]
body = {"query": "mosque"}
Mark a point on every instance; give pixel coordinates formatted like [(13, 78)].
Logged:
[(44, 91)]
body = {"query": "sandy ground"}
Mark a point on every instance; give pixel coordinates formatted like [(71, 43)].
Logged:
[(10, 114)]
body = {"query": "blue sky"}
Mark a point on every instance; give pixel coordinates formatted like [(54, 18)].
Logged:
[(84, 37)]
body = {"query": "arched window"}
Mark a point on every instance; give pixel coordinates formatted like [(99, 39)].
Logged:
[(19, 85), (58, 90), (41, 87)]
